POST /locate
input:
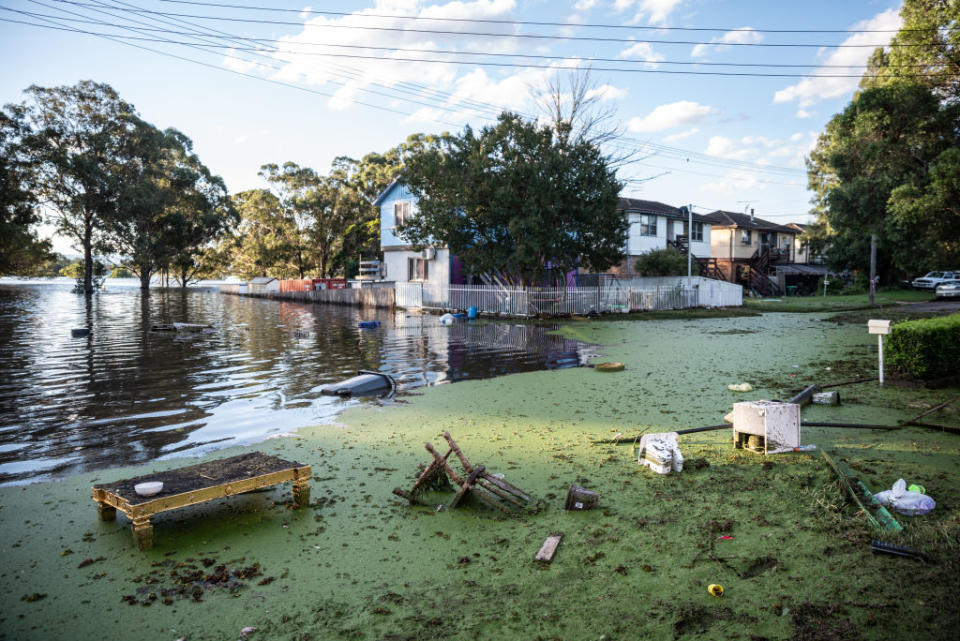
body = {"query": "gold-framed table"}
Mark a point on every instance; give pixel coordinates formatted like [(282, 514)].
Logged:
[(197, 484)]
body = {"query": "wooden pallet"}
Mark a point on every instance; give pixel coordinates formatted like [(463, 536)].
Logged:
[(487, 488), (197, 484)]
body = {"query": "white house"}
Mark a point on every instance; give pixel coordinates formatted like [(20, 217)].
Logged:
[(402, 264), (655, 225)]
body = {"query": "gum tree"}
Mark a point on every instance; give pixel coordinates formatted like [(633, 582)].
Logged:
[(74, 134), (169, 208)]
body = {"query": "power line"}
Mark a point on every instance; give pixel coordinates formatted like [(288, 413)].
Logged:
[(486, 54), (637, 145), (742, 74), (539, 36), (271, 66), (538, 23), (223, 69), (493, 110)]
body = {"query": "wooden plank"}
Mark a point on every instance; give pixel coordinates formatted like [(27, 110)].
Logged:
[(933, 409), (501, 494), (507, 487), (548, 549)]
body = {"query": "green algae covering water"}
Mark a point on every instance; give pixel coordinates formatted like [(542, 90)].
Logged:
[(359, 563)]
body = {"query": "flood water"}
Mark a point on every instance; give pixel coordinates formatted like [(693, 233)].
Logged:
[(126, 394)]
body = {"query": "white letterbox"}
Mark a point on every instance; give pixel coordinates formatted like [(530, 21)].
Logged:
[(878, 326)]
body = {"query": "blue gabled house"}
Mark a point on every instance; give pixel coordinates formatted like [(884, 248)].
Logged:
[(433, 264)]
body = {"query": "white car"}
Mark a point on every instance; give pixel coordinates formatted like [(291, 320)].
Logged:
[(949, 289), (931, 280)]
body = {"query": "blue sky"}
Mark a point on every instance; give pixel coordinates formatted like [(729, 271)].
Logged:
[(714, 141)]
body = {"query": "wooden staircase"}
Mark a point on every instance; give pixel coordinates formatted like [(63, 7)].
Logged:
[(708, 267), (758, 280)]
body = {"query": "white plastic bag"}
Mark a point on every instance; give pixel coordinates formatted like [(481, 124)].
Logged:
[(904, 502), (660, 452)]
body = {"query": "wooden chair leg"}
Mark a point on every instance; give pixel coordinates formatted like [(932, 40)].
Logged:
[(466, 487), (443, 462), (456, 449), (143, 532)]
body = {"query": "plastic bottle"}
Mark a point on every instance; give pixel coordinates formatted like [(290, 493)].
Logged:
[(805, 448)]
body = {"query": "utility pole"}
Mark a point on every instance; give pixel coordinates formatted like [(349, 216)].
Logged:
[(873, 272), (690, 246)]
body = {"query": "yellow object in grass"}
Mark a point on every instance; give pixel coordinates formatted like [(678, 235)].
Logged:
[(609, 367), (715, 589)]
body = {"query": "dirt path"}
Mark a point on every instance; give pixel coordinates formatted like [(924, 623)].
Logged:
[(932, 307)]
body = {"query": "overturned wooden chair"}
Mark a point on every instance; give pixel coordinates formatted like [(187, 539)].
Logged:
[(487, 488)]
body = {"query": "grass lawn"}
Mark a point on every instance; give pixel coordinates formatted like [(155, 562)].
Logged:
[(835, 302), (361, 564)]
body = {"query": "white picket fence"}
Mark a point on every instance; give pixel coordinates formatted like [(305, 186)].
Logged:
[(621, 297)]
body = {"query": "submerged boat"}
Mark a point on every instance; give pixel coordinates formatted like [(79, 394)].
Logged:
[(365, 383), (180, 327)]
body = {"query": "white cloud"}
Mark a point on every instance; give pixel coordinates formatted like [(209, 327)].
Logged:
[(585, 5), (607, 92), (348, 78), (810, 91), (787, 152), (234, 63), (724, 147), (675, 114), (655, 11), (681, 135), (744, 35), (644, 51), (510, 92), (733, 183), (803, 113)]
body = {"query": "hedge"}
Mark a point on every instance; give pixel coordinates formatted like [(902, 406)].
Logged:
[(928, 348)]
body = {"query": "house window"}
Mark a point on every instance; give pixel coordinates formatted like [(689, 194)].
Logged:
[(697, 235), (418, 269), (401, 212), (745, 237), (648, 225)]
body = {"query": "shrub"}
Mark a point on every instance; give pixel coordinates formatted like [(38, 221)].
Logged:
[(927, 348), (662, 262)]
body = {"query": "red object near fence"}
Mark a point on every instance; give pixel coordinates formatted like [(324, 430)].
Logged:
[(329, 283), (296, 285)]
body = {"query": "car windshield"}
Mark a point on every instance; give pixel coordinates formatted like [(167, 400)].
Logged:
[(934, 275)]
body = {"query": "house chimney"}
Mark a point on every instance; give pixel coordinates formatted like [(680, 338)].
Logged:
[(751, 214)]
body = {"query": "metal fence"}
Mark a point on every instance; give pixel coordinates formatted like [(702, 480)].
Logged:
[(609, 297), (566, 301)]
